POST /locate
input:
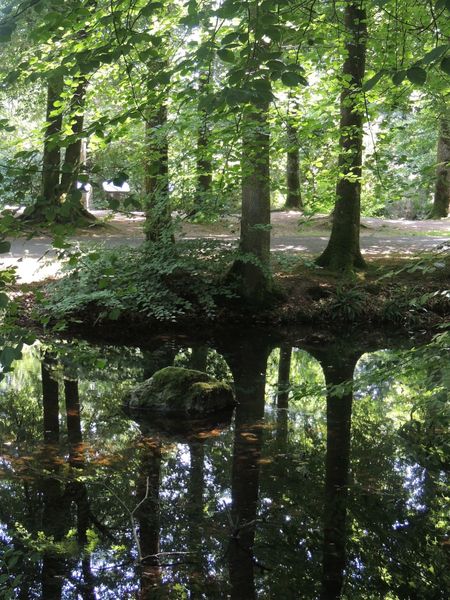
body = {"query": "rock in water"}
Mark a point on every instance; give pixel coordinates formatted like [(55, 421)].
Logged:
[(175, 391)]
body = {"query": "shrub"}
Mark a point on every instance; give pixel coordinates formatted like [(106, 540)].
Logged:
[(155, 280)]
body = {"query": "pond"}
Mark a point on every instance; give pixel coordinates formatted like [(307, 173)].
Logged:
[(329, 481)]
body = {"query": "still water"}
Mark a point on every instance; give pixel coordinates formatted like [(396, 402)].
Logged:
[(329, 481)]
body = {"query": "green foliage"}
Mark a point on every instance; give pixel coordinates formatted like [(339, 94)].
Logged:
[(160, 281), (349, 303)]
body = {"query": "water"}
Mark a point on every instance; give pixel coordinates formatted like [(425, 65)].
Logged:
[(307, 492)]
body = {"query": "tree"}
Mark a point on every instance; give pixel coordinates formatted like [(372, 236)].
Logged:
[(251, 270), (157, 204), (343, 251), (442, 187), (294, 195), (60, 200)]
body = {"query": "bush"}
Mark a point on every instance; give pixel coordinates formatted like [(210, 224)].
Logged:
[(157, 281)]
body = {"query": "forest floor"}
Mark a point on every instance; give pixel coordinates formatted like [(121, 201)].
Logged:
[(291, 234), (406, 283)]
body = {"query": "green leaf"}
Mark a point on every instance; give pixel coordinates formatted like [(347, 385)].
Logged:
[(114, 314), (442, 4), (113, 203), (235, 96), (416, 75), (120, 178), (237, 76), (372, 82), (8, 355), (445, 64), (230, 37), (291, 79), (4, 246), (151, 7), (398, 77), (4, 300), (275, 33), (228, 9), (435, 54), (225, 55), (276, 65)]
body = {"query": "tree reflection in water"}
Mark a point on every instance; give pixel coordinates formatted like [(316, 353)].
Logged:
[(271, 507)]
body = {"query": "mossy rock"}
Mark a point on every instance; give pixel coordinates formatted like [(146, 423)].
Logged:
[(175, 391), (181, 431)]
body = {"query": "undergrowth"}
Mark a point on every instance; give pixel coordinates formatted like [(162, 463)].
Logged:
[(157, 281)]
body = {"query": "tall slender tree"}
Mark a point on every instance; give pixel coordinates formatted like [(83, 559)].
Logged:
[(343, 250)]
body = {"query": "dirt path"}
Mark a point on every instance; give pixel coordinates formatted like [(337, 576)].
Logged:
[(36, 260)]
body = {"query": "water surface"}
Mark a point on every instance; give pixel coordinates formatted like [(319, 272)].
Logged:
[(330, 481)]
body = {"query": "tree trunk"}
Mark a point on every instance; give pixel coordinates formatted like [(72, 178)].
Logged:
[(55, 519), (248, 365), (338, 364), (76, 489), (72, 157), (199, 358), (148, 516), (70, 198), (252, 272), (73, 411), (51, 162), (50, 399), (343, 251), (203, 165), (339, 413), (294, 197), (195, 505), (284, 371), (157, 210), (442, 189)]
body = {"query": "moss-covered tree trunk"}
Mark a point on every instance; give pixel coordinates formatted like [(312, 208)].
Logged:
[(158, 219), (70, 197), (252, 270), (442, 187), (343, 250), (51, 161), (293, 196)]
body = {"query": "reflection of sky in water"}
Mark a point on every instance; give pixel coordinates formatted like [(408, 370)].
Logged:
[(290, 507), (413, 481)]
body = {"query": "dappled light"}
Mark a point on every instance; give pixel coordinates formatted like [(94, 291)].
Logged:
[(224, 300)]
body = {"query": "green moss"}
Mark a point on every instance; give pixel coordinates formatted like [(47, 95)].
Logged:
[(174, 390)]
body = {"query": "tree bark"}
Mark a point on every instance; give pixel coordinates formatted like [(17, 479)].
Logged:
[(195, 505), (50, 399), (284, 371), (339, 413), (252, 271), (73, 411), (148, 516), (157, 210), (442, 187), (76, 490), (343, 251), (51, 162), (203, 163), (248, 365), (294, 197)]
